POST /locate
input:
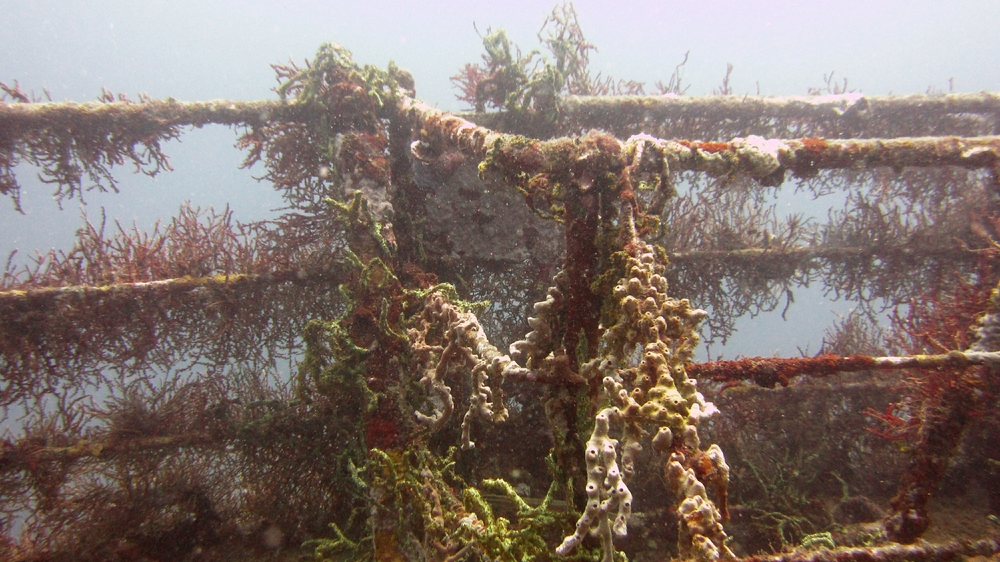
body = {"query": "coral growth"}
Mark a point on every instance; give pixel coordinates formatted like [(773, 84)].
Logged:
[(643, 356), (81, 146), (514, 82), (943, 402), (445, 339), (701, 536)]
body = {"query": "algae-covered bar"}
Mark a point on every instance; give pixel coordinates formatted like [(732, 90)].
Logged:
[(473, 337)]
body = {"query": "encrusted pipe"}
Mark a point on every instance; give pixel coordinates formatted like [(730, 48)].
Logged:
[(169, 112), (768, 371), (592, 111)]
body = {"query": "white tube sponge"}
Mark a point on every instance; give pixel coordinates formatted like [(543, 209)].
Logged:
[(606, 491)]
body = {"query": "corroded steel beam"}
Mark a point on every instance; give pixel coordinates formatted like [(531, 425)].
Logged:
[(765, 160), (768, 371), (36, 296), (955, 550), (168, 112), (762, 159), (582, 109), (593, 110)]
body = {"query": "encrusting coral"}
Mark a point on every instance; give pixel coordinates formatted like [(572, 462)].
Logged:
[(642, 357), (701, 534), (448, 339)]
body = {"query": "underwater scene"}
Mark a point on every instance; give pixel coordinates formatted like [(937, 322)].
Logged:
[(564, 314)]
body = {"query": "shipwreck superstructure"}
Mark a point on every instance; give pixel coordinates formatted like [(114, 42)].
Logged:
[(492, 319)]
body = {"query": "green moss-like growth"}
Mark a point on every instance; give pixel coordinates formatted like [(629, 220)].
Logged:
[(334, 365), (508, 85), (513, 82), (330, 76), (418, 505), (339, 547)]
